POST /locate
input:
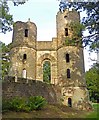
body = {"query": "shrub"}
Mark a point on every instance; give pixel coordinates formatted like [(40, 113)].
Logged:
[(5, 105), (36, 102), (17, 104), (20, 104)]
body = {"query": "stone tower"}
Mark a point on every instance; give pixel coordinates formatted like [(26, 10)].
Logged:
[(70, 61), (66, 61), (23, 50)]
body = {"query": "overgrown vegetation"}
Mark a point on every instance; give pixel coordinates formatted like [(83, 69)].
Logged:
[(76, 38), (55, 111), (91, 21), (20, 104), (92, 80), (5, 59), (47, 72)]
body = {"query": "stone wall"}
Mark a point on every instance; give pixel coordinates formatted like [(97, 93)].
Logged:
[(25, 88)]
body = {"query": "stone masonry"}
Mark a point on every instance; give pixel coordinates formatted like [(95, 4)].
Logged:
[(28, 56)]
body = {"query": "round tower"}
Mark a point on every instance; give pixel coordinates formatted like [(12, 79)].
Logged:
[(23, 52), (70, 61), (24, 33), (63, 20)]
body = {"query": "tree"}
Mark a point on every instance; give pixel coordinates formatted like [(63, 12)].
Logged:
[(5, 59), (91, 21), (92, 80), (6, 19)]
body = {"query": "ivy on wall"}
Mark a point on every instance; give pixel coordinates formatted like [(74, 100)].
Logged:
[(76, 38)]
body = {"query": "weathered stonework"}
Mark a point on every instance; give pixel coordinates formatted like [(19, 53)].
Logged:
[(28, 56)]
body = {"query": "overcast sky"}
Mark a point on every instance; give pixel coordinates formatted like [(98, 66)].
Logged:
[(43, 14)]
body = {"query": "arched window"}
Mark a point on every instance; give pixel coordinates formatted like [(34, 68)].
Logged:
[(69, 102), (47, 72), (24, 56), (67, 58), (24, 73), (26, 32), (66, 31), (68, 73)]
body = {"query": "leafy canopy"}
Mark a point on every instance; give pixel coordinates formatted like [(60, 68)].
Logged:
[(6, 19), (91, 21)]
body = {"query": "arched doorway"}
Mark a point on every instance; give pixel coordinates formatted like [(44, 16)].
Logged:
[(24, 73), (69, 102), (47, 72)]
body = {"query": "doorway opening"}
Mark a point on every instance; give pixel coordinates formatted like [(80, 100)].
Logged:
[(69, 102)]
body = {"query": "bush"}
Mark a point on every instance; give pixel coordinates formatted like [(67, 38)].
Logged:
[(19, 104), (36, 102)]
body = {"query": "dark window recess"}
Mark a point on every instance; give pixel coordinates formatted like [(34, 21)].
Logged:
[(68, 73), (65, 16), (24, 57), (26, 32), (67, 58), (66, 31), (69, 102)]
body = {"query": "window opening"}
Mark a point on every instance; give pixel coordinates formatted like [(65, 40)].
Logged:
[(68, 73), (24, 57), (66, 31), (65, 16), (69, 102), (26, 32), (67, 58), (47, 72), (24, 73)]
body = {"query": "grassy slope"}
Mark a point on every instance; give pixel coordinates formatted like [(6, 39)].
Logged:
[(51, 111), (95, 112)]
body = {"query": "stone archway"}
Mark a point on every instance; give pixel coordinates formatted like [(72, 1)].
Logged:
[(53, 64)]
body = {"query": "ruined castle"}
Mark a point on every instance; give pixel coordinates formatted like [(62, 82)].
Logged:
[(66, 61)]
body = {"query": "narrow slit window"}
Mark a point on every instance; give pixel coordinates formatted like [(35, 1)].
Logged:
[(24, 57), (26, 32), (68, 73), (66, 31), (67, 58)]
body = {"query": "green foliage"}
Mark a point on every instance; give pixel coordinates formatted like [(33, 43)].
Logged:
[(36, 103), (46, 72), (91, 21), (6, 19), (92, 80), (5, 58), (19, 104), (76, 39), (77, 29), (94, 113)]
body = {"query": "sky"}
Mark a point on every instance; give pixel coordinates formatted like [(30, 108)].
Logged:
[(43, 14)]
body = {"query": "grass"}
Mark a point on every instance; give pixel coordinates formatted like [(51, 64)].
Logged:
[(54, 111), (95, 112)]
